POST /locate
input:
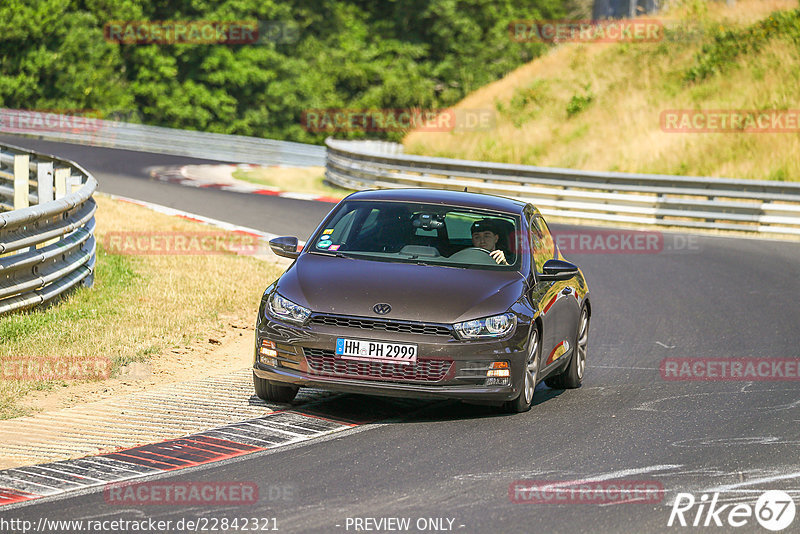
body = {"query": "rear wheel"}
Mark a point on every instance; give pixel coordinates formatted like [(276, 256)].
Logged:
[(274, 391), (572, 376), (523, 402)]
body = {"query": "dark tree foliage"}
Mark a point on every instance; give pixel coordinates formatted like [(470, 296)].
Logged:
[(351, 54)]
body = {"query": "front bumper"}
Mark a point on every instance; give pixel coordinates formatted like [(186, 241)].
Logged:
[(460, 366)]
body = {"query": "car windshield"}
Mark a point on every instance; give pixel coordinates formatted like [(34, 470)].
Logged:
[(421, 233)]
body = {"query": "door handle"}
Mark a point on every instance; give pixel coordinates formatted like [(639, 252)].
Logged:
[(566, 291)]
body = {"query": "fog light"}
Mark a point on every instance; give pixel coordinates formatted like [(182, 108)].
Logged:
[(498, 374), (498, 370), (268, 348), (268, 353)]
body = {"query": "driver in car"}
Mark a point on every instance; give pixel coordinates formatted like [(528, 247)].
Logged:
[(485, 235)]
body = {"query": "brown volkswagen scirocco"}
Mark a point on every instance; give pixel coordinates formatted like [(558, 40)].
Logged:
[(424, 293)]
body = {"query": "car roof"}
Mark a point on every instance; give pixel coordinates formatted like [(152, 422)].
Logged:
[(440, 196)]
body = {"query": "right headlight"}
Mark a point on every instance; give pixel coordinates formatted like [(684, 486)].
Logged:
[(488, 327), (287, 310)]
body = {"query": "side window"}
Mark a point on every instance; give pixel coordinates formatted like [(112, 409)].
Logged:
[(542, 242)]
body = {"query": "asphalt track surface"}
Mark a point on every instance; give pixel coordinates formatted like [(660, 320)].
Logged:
[(725, 298)]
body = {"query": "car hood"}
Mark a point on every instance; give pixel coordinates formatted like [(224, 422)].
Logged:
[(345, 286)]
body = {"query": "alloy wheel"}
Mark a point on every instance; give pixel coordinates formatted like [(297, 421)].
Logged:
[(583, 342), (532, 367)]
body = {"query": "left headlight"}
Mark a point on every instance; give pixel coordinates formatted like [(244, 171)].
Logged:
[(287, 310), (488, 327)]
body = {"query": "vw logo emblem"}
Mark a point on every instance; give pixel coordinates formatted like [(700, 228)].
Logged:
[(381, 308)]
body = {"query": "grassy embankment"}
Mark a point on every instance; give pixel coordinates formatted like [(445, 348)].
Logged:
[(597, 106), (142, 308)]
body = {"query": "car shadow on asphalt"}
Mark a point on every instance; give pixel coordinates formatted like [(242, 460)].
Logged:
[(362, 409)]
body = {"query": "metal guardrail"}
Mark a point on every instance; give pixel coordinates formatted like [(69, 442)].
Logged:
[(142, 138), (653, 199), (47, 243)]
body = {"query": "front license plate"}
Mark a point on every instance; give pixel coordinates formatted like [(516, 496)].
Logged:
[(358, 349)]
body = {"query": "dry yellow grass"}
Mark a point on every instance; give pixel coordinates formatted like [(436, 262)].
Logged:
[(141, 307), (630, 85)]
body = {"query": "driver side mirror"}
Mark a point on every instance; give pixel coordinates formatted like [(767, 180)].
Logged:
[(284, 246), (557, 270)]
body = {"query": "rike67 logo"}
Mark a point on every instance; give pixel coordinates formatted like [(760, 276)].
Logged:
[(774, 510)]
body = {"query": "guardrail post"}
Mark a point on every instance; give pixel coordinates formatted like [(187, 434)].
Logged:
[(73, 183), (88, 245), (44, 178), (49, 248), (61, 176), (21, 180)]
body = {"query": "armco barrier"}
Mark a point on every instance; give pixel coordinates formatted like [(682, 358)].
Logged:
[(159, 140), (653, 199), (47, 242)]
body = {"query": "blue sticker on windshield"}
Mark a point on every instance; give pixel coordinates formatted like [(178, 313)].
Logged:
[(324, 244)]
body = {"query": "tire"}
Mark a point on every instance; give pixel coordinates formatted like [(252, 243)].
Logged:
[(523, 401), (274, 391), (572, 376)]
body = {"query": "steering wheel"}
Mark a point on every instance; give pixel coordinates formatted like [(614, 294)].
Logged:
[(473, 255)]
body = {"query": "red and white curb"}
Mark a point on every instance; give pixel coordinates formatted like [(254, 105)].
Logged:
[(177, 175), (23, 484)]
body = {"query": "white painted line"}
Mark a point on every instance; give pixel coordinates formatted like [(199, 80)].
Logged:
[(23, 483), (272, 427), (764, 480), (72, 475), (614, 475)]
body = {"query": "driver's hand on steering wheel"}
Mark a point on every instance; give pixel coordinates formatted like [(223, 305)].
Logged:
[(498, 256)]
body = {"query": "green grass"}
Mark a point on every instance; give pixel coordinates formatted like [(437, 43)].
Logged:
[(727, 44), (139, 308), (63, 320), (112, 275)]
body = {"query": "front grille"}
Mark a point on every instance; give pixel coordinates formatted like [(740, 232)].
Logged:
[(324, 362), (377, 324)]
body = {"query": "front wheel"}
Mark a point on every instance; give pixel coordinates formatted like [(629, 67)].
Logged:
[(523, 402), (274, 391), (572, 376)]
